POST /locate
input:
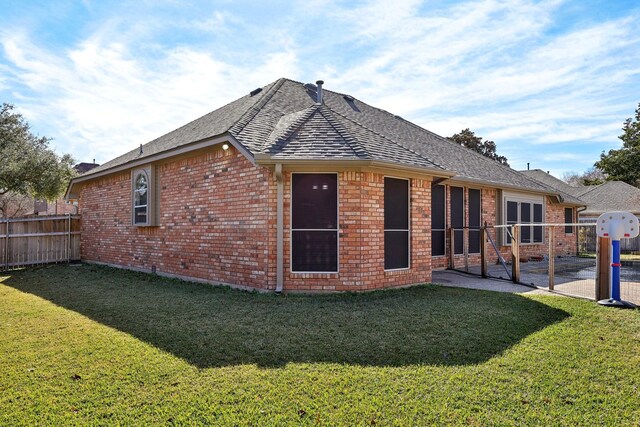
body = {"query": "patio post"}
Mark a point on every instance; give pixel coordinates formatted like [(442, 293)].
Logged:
[(483, 251), (515, 253)]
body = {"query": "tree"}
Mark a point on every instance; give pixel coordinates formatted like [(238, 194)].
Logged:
[(592, 176), (624, 164), (468, 139), (29, 167), (14, 205)]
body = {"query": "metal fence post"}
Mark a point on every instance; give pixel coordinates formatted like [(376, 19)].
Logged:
[(552, 260), (603, 249), (515, 253), (483, 251)]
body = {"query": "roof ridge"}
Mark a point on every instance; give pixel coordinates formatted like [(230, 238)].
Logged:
[(256, 108), (293, 127), (353, 142), (593, 189), (390, 140)]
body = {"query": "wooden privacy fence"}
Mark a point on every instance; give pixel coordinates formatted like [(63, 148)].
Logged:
[(39, 240)]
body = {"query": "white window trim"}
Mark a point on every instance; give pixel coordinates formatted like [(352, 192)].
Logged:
[(408, 222), (337, 230), (523, 198)]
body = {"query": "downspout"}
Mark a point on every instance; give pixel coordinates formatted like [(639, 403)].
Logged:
[(279, 229)]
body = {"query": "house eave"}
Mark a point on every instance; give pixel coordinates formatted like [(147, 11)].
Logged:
[(183, 149), (266, 160), (503, 186)]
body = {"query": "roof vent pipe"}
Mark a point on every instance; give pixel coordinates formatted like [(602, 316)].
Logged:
[(319, 83), (527, 165)]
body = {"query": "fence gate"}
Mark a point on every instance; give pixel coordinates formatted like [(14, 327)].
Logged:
[(39, 240)]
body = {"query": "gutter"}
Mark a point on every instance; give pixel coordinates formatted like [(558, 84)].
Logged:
[(266, 160), (504, 186), (279, 229)]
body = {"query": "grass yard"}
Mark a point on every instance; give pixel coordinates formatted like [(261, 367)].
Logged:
[(94, 345)]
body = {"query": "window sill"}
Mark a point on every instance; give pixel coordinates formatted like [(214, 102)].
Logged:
[(313, 272), (393, 270)]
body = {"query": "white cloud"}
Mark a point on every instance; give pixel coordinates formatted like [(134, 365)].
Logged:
[(104, 101), (511, 71)]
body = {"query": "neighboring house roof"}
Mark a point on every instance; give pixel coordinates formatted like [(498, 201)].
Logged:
[(85, 167), (568, 193), (611, 196), (598, 199), (282, 121)]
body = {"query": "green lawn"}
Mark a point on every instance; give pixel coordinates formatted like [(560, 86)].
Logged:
[(100, 346)]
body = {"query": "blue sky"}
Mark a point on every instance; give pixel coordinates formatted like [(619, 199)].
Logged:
[(551, 82)]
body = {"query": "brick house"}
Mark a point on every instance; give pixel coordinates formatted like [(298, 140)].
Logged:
[(297, 188)]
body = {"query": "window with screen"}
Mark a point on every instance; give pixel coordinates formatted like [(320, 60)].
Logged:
[(438, 220), (457, 218), (537, 219), (475, 216), (314, 222), (512, 216), (396, 223), (525, 218), (568, 219)]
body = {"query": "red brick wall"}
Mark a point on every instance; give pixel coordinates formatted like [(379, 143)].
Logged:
[(214, 221), (361, 242), (565, 244), (218, 223)]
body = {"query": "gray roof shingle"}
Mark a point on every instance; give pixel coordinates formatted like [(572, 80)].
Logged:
[(568, 193), (612, 196), (284, 121)]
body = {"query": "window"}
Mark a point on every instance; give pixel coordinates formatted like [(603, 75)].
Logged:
[(438, 220), (140, 198), (512, 216), (143, 200), (474, 221), (314, 222), (537, 219), (525, 211), (457, 219), (568, 219), (396, 223)]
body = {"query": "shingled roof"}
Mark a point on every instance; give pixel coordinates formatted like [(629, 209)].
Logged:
[(611, 196), (569, 193), (282, 121)]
